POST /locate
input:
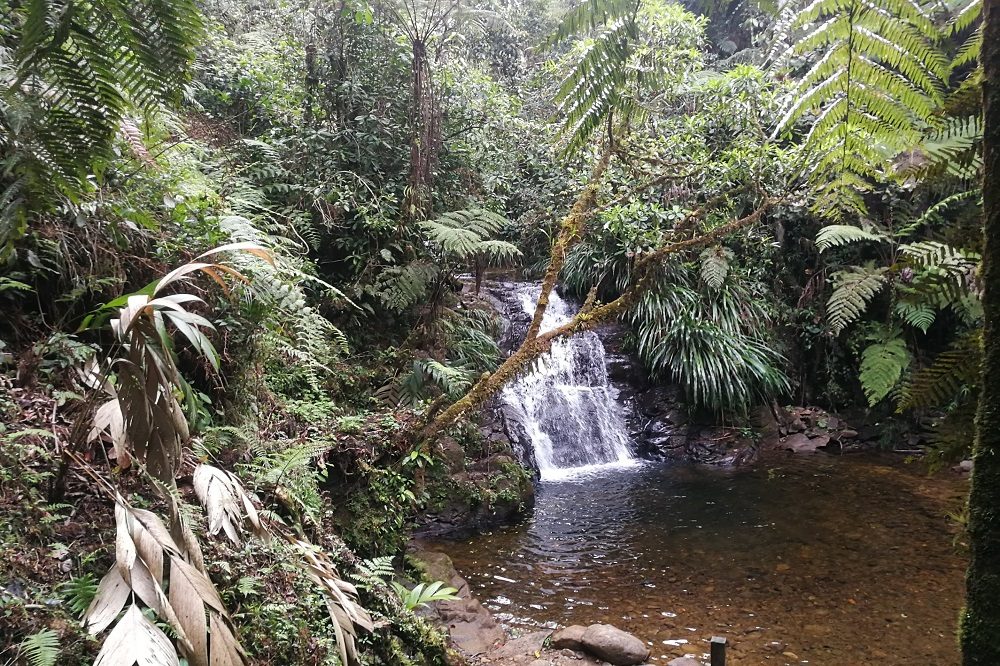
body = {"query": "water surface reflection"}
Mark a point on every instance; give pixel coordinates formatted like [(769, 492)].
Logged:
[(830, 561)]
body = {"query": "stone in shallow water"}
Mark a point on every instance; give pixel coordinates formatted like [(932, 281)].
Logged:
[(683, 661), (570, 638), (614, 645)]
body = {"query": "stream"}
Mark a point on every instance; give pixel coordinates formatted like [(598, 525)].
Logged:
[(796, 559), (814, 559)]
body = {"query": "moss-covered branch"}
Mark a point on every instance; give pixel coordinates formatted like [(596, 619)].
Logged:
[(570, 233)]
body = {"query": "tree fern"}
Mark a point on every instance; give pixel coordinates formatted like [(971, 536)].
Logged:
[(875, 79), (853, 289), (465, 234), (40, 648), (837, 235), (882, 365)]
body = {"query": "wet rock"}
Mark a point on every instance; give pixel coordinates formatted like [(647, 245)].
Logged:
[(452, 454), (471, 627), (965, 466), (529, 644), (613, 645), (800, 443), (683, 661), (569, 638)]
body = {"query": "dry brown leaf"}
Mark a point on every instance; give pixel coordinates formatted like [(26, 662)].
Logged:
[(221, 498), (226, 650), (340, 598), (226, 503), (190, 609), (136, 640), (112, 593)]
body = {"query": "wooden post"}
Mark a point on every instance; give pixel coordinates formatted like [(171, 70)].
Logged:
[(718, 653)]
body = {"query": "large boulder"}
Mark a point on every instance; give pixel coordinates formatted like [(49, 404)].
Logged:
[(569, 638), (614, 645)]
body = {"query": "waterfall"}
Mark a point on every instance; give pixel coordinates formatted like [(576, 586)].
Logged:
[(565, 407)]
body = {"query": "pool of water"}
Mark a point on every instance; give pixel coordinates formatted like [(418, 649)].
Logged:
[(816, 559)]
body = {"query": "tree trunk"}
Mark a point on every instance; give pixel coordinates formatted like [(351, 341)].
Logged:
[(981, 618), (425, 142)]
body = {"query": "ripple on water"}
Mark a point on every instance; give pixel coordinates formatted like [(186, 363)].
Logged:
[(836, 560)]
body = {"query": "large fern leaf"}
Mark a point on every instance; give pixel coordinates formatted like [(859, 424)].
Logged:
[(939, 383), (853, 289), (84, 65), (882, 366), (874, 82), (836, 235), (467, 233)]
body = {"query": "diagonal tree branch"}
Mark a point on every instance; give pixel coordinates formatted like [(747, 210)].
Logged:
[(570, 233)]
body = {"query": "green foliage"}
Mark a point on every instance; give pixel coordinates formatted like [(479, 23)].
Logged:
[(80, 69), (882, 365), (634, 48), (710, 344), (423, 594), (41, 648), (468, 233), (853, 289), (376, 567), (874, 80), (79, 592), (401, 288), (837, 235), (952, 372), (715, 266)]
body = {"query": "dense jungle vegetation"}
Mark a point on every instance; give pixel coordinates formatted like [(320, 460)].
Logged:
[(242, 245)]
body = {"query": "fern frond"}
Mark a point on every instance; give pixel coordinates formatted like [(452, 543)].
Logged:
[(934, 215), (882, 366), (84, 66), (875, 80), (715, 265), (853, 289), (41, 648), (940, 382), (590, 15), (466, 233), (918, 315), (375, 569), (836, 235), (399, 288)]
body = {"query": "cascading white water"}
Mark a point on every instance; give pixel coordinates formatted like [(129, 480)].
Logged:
[(566, 405)]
